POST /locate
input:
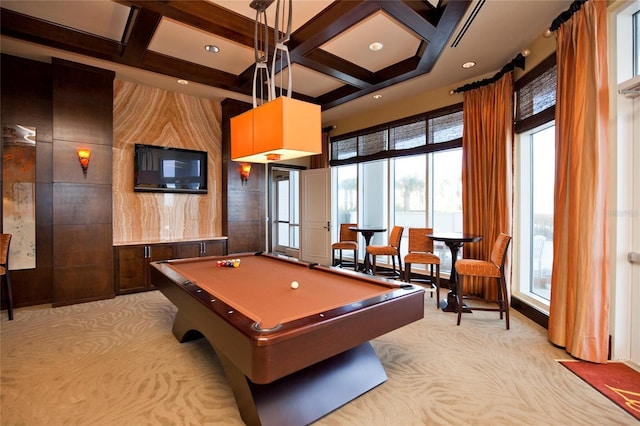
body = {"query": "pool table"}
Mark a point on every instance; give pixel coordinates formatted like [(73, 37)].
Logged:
[(290, 355)]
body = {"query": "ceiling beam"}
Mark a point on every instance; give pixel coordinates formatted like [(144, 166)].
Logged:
[(433, 25)]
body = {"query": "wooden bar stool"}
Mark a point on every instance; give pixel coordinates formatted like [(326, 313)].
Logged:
[(492, 268), (391, 249), (421, 252), (348, 241)]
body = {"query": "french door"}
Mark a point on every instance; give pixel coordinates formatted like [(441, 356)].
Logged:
[(285, 211)]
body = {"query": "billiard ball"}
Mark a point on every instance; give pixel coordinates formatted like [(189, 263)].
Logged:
[(294, 284)]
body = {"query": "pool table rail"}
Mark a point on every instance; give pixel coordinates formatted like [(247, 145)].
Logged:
[(253, 328)]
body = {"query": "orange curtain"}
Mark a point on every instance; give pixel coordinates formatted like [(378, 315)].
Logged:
[(579, 312), (321, 161), (487, 172)]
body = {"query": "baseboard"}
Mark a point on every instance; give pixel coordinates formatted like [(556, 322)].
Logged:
[(530, 312)]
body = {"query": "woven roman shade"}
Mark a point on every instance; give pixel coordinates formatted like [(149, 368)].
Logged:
[(445, 128), (536, 96), (406, 136), (420, 134)]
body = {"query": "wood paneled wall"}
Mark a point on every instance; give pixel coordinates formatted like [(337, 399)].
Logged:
[(82, 217), (243, 213), (70, 105)]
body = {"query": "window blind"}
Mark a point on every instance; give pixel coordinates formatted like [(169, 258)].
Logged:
[(445, 128), (372, 143), (409, 136), (536, 96)]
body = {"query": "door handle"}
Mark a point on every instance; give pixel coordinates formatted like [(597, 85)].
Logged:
[(328, 227), (633, 257)]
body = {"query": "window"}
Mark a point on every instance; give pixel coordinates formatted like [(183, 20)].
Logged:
[(373, 192), (537, 165), (535, 182), (407, 173), (346, 179), (446, 199), (636, 43), (409, 192)]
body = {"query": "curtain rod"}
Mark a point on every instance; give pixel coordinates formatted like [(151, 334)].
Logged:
[(518, 61), (567, 14)]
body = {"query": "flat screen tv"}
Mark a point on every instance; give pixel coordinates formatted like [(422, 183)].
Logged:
[(161, 169)]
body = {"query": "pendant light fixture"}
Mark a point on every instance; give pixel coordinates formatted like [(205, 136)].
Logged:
[(282, 128)]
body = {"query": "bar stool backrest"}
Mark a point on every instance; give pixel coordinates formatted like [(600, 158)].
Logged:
[(347, 234), (418, 240)]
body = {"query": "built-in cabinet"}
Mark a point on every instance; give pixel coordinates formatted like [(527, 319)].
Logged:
[(185, 250), (132, 260)]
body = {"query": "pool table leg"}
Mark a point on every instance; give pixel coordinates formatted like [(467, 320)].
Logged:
[(309, 394), (241, 391), (183, 328)]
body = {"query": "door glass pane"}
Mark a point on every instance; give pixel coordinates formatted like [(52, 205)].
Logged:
[(294, 237), (446, 199), (283, 201), (294, 209), (282, 212), (286, 210), (283, 235)]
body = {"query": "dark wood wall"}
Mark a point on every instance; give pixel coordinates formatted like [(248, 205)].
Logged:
[(243, 206), (71, 106), (82, 207)]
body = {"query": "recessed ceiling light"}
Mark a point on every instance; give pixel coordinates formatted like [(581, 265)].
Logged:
[(377, 96), (211, 48), (469, 64), (375, 46), (181, 81)]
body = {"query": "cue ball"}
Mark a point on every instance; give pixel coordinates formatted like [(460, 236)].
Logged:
[(294, 284)]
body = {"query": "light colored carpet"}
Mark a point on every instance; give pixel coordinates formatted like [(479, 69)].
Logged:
[(116, 362)]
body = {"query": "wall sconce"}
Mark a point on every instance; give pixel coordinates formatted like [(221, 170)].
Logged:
[(83, 156), (244, 169)]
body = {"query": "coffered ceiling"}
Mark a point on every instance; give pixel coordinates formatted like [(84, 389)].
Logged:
[(157, 43)]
